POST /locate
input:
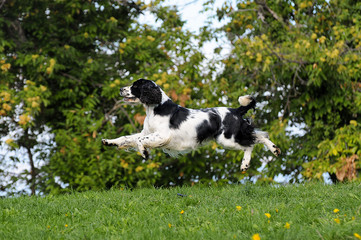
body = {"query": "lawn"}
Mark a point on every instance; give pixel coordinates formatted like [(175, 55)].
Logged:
[(307, 211)]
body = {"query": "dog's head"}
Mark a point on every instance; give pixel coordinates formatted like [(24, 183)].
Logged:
[(142, 91)]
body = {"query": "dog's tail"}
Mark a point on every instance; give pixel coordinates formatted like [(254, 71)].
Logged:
[(247, 102)]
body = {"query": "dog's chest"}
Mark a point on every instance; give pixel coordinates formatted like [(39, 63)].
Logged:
[(155, 123)]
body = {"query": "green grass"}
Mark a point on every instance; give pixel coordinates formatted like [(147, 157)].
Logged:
[(209, 213)]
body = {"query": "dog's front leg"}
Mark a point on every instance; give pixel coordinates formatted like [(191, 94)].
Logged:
[(123, 142), (153, 140)]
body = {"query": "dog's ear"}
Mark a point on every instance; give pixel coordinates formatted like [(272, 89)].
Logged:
[(150, 95)]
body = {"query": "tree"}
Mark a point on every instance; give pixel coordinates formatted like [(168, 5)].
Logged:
[(54, 61), (63, 63), (301, 59)]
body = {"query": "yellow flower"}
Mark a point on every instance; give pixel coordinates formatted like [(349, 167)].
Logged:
[(267, 215), (353, 122), (66, 46), (5, 67), (287, 225), (6, 96), (259, 57), (9, 141), (43, 88), (90, 61), (24, 119), (138, 169), (48, 226), (86, 35), (150, 38), (314, 36), (238, 208), (34, 104), (336, 210), (181, 212), (357, 236), (322, 39), (152, 165), (169, 225), (6, 107), (256, 237), (337, 220), (276, 210), (113, 19), (52, 62), (35, 56), (66, 225)]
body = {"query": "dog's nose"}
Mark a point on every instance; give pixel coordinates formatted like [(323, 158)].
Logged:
[(122, 92)]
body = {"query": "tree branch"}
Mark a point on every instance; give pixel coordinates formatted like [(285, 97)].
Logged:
[(2, 3), (264, 5)]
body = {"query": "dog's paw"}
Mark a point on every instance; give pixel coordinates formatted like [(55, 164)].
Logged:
[(276, 151), (106, 143), (244, 167), (145, 154)]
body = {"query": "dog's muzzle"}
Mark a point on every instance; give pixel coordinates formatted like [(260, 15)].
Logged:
[(128, 96)]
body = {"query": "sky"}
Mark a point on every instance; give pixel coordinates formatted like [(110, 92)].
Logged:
[(191, 11)]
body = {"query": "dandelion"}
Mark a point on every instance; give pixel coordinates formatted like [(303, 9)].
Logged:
[(66, 225), (169, 225), (267, 215), (276, 210), (48, 226), (337, 220), (357, 236), (287, 225), (336, 210), (256, 237), (238, 208), (181, 212)]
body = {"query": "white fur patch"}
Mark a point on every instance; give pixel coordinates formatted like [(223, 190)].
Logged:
[(245, 100)]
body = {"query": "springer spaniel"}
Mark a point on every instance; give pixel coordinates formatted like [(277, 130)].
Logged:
[(176, 129)]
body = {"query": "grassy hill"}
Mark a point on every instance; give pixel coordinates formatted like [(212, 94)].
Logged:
[(310, 211)]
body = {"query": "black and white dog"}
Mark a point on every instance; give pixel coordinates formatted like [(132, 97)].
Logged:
[(176, 129)]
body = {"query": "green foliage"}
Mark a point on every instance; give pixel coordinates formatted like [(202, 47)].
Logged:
[(307, 211)]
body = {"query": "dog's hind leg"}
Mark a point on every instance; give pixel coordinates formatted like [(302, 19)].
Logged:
[(262, 137), (246, 158)]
